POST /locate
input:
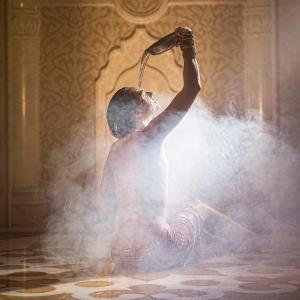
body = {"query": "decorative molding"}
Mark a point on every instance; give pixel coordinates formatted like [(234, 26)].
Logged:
[(29, 210), (28, 195), (22, 229), (25, 6), (112, 3), (140, 8), (258, 20), (258, 3), (137, 11), (141, 12), (25, 25), (205, 2)]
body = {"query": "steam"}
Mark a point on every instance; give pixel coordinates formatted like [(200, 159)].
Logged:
[(77, 234), (236, 165)]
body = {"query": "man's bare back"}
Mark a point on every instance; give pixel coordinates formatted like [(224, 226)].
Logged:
[(137, 169)]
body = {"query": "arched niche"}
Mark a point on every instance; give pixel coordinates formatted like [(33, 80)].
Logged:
[(162, 76)]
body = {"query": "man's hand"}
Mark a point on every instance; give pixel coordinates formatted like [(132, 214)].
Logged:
[(184, 31), (161, 126), (186, 41)]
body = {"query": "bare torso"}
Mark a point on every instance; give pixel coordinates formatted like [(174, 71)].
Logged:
[(138, 167)]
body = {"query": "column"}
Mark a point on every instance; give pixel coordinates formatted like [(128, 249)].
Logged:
[(260, 81), (3, 120), (23, 109)]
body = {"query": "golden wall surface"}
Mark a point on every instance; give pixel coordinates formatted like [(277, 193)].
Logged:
[(67, 57)]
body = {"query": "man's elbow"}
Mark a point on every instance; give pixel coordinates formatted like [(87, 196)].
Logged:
[(196, 88), (192, 88)]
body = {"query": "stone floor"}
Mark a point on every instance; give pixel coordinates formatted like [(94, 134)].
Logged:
[(26, 274)]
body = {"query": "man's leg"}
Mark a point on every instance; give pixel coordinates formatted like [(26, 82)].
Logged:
[(222, 231)]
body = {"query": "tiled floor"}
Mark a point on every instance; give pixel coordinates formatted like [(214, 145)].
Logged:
[(26, 274)]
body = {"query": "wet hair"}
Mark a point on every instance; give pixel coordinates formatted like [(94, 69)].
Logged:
[(125, 109)]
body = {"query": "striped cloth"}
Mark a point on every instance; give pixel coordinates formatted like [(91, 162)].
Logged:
[(176, 246)]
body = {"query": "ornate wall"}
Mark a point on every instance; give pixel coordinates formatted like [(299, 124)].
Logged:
[(80, 51), (79, 41)]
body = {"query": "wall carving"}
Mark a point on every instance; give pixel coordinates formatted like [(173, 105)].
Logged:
[(220, 47), (141, 12), (24, 5), (25, 25), (141, 8), (258, 3), (75, 44), (24, 17), (258, 21)]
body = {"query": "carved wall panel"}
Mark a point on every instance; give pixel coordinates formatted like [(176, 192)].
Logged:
[(219, 40), (141, 12), (75, 45), (78, 41)]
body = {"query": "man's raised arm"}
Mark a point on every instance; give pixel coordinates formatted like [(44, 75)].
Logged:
[(172, 115)]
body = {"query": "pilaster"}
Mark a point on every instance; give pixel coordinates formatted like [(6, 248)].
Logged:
[(23, 114), (260, 72)]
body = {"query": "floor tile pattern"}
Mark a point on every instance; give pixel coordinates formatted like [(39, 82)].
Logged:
[(27, 274)]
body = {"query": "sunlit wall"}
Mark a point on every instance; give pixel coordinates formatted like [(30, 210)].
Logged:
[(80, 52)]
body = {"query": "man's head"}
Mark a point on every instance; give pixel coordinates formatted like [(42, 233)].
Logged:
[(130, 109)]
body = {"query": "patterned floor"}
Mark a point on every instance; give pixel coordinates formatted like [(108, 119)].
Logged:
[(26, 274)]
